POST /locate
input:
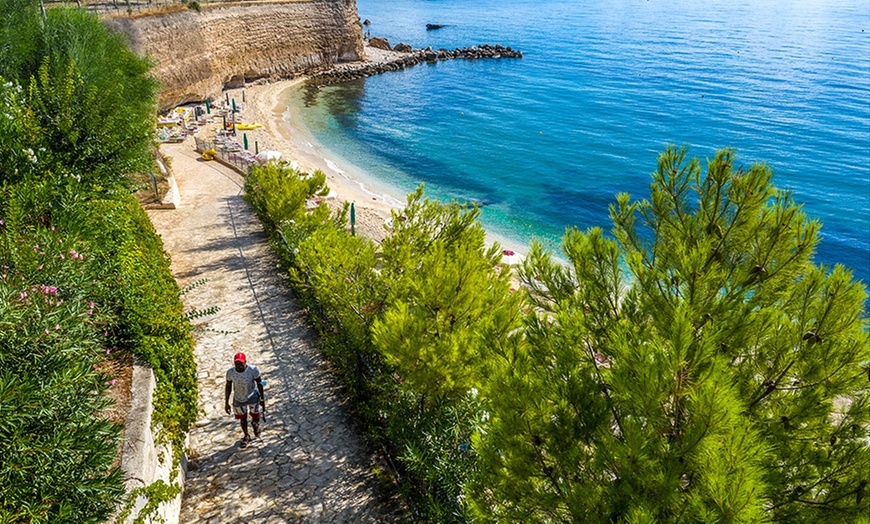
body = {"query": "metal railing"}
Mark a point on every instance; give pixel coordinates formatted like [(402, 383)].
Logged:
[(229, 152)]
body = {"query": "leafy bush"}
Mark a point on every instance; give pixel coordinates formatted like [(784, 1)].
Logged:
[(433, 286), (151, 317), (77, 117), (50, 340), (89, 102), (279, 193), (133, 301)]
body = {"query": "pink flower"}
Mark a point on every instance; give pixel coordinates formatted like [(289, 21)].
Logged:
[(91, 304), (108, 351), (52, 228), (72, 253), (61, 256), (335, 330), (46, 331), (346, 279), (40, 266), (110, 382), (23, 294), (56, 327)]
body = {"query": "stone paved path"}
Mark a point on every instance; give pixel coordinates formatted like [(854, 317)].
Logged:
[(310, 465)]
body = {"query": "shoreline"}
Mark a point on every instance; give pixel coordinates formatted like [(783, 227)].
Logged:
[(267, 105), (285, 132)]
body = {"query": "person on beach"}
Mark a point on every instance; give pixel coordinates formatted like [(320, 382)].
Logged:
[(243, 381)]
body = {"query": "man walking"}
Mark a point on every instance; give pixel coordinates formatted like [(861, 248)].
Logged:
[(243, 381)]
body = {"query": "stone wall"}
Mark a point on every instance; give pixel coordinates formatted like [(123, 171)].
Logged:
[(198, 54)]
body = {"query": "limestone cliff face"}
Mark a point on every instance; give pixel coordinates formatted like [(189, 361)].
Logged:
[(199, 54)]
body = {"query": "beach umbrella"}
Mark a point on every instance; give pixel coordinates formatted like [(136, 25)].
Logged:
[(509, 258), (245, 140), (234, 105), (352, 219), (267, 156)]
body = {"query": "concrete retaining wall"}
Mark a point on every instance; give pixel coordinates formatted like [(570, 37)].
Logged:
[(142, 460)]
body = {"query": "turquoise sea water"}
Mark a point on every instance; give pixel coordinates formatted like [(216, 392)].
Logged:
[(545, 142)]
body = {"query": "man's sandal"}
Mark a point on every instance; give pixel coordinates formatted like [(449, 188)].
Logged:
[(244, 442)]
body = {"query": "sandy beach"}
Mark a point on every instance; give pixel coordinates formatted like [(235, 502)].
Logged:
[(285, 132), (266, 104)]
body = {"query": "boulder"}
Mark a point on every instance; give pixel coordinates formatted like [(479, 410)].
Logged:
[(380, 43), (403, 48)]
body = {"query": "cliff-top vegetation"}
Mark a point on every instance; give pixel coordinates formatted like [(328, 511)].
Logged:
[(695, 365)]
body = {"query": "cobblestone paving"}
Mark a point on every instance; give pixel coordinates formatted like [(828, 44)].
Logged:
[(310, 465)]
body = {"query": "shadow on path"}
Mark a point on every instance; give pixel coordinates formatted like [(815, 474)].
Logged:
[(310, 465)]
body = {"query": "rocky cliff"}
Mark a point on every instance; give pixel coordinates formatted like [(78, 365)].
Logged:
[(198, 54)]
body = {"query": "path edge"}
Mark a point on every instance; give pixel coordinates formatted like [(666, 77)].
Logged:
[(143, 460)]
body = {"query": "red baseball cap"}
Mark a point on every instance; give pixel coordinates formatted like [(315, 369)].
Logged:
[(240, 357)]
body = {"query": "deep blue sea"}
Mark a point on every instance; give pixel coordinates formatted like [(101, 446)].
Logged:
[(546, 142)]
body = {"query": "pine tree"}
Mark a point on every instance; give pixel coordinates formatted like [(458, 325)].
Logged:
[(698, 368), (447, 294)]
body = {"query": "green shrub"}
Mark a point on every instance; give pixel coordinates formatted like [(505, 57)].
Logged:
[(150, 314), (76, 117), (402, 324), (278, 193), (87, 96), (50, 340), (133, 305)]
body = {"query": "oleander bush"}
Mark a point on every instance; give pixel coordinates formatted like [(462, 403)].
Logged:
[(102, 260), (50, 341), (84, 276), (695, 366)]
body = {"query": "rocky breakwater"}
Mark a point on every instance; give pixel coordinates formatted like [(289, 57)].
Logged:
[(404, 56), (198, 54)]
